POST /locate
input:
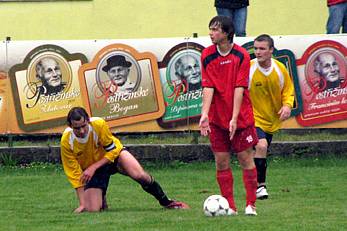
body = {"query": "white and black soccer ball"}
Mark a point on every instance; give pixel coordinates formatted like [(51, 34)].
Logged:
[(216, 205)]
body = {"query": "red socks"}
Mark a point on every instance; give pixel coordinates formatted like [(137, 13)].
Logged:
[(226, 183), (250, 182)]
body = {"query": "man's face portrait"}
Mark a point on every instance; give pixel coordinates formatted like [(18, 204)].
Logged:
[(117, 69), (217, 35), (80, 127), (48, 70), (327, 67), (188, 68), (262, 51), (118, 74)]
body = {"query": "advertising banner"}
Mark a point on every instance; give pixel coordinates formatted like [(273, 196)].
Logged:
[(154, 85)]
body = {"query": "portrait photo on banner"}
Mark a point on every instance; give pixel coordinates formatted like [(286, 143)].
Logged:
[(122, 85), (180, 72), (324, 86), (45, 86)]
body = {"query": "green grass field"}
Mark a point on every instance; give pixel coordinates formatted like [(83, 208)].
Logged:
[(305, 194)]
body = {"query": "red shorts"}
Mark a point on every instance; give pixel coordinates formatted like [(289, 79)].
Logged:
[(242, 140)]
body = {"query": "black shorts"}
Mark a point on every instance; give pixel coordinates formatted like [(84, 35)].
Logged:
[(102, 177), (263, 135)]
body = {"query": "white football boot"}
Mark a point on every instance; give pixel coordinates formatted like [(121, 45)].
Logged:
[(250, 211), (262, 193)]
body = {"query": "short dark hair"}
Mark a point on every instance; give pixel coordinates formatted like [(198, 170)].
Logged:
[(267, 38), (76, 113), (226, 24)]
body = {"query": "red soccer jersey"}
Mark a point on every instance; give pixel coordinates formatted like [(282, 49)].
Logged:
[(224, 74)]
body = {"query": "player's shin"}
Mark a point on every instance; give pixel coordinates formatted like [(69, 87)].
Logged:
[(250, 182), (261, 164), (155, 190), (225, 181)]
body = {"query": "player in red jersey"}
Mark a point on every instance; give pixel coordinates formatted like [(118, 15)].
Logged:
[(226, 114)]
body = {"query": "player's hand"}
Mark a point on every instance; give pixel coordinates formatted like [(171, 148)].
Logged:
[(284, 112), (204, 125), (80, 209), (87, 174), (232, 128)]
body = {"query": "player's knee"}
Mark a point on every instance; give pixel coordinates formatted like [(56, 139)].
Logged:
[(245, 160), (261, 148), (222, 165), (222, 161), (142, 177)]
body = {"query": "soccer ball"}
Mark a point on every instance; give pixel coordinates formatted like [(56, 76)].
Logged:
[(216, 205)]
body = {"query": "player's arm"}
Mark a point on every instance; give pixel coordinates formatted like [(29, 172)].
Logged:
[(89, 172), (109, 142), (80, 197), (71, 167), (111, 145), (86, 176), (73, 172), (207, 95), (287, 97), (238, 97), (242, 80)]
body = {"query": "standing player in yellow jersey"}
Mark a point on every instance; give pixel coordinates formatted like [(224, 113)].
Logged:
[(91, 154), (272, 94)]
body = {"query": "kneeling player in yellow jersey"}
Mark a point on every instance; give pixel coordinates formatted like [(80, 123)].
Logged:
[(272, 94), (91, 154)]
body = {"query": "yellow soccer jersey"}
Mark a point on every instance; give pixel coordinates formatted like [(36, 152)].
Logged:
[(269, 90), (77, 154)]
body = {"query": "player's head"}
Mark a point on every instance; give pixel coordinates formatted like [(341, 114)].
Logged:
[(326, 66), (78, 120), (117, 69), (265, 38), (187, 67), (263, 48), (49, 72), (221, 26)]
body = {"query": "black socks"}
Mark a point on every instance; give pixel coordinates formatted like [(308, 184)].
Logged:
[(155, 190), (261, 165)]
